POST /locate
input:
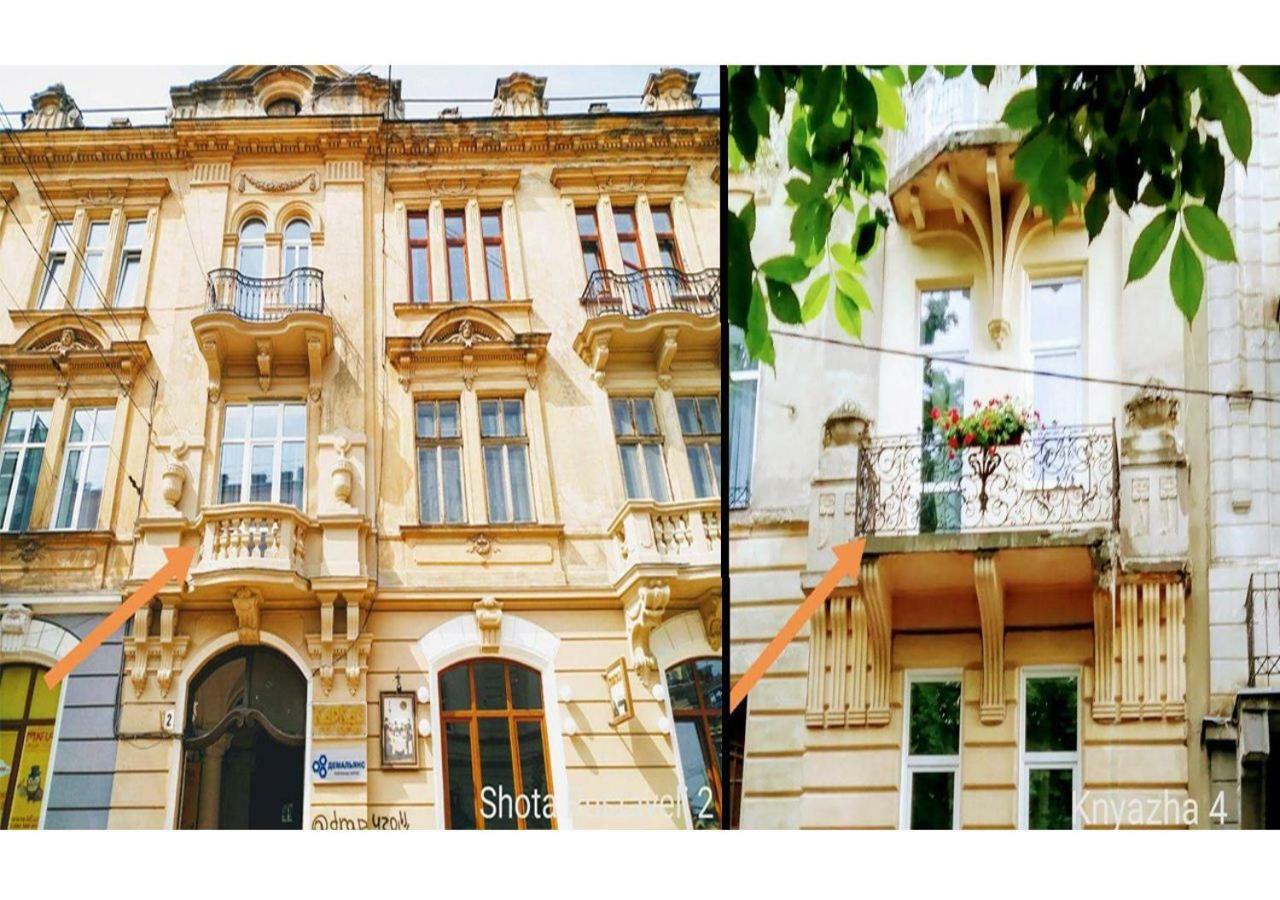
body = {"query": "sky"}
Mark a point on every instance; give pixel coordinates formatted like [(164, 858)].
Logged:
[(116, 86)]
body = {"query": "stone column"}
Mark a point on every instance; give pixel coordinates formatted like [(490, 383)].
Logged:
[(211, 783)]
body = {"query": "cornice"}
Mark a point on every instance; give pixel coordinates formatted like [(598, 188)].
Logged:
[(620, 178), (431, 183)]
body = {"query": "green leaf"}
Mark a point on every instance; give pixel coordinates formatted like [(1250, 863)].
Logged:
[(1042, 164), (950, 72), (1264, 78), (741, 272), (1020, 113), (893, 75), (844, 256), (892, 113), (1096, 212), (866, 239), (1209, 233), (1224, 102), (815, 298), (748, 217), (798, 146), (789, 269), (984, 74), (1186, 278), (759, 341), (861, 97), (852, 288), (783, 302), (1150, 244), (915, 73), (848, 315)]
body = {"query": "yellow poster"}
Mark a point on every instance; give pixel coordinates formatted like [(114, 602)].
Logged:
[(8, 751), (31, 779)]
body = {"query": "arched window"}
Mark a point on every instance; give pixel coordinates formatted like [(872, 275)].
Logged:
[(250, 261), (495, 746), (283, 106), (297, 256), (28, 710), (696, 691)]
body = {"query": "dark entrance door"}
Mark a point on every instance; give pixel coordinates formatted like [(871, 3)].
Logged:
[(260, 784)]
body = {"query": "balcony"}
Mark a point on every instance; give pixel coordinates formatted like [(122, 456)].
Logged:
[(257, 536), (1060, 479), (264, 327), (652, 539), (1262, 627), (646, 316)]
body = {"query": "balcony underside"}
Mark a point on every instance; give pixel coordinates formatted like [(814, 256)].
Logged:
[(297, 344), (656, 341)]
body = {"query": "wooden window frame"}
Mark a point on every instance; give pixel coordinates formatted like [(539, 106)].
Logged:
[(499, 241), (458, 242), (437, 443), (711, 759), (638, 439), (472, 717), (583, 239), (504, 441), (660, 236), (20, 726), (629, 237), (423, 244)]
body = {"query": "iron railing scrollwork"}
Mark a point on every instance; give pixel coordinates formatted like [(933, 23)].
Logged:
[(265, 299), (1262, 627), (642, 292), (739, 496), (1058, 477)]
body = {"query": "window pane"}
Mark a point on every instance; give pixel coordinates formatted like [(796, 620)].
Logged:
[(526, 687), (134, 231), (418, 228), (418, 265), (448, 418), (489, 418), (591, 257), (25, 493), (498, 777), (491, 224), (646, 420), (711, 681), (1049, 799), (713, 450), (102, 424), (44, 700), (667, 255), (428, 485), (8, 467), (629, 454), (426, 419), (630, 254), (944, 320), (935, 718), (1051, 714), (229, 484), (680, 687), (234, 422), (491, 687), (496, 268), (521, 511), (455, 688), (625, 221), (1056, 311), (295, 420), (250, 262), (70, 484), (587, 224), (454, 226), (621, 411), (656, 471), (462, 798), (266, 420), (533, 772), (493, 484), (19, 424), (95, 469), (292, 477), (700, 466), (261, 473), (697, 781), (661, 220), (452, 484), (81, 422), (61, 240), (687, 409), (129, 268), (55, 271), (933, 800), (709, 410), (512, 418), (297, 231), (1058, 400), (39, 426)]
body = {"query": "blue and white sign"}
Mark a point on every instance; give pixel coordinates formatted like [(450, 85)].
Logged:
[(341, 763)]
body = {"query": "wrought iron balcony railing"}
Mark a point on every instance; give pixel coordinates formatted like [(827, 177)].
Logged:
[(1057, 478), (266, 299), (739, 496), (1262, 625), (645, 291)]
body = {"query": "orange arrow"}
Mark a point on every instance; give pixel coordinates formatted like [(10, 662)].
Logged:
[(179, 562), (848, 558)]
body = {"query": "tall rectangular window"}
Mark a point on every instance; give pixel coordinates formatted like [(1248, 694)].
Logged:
[(84, 468), (1057, 326), (744, 381), (21, 455), (931, 765), (130, 263), (495, 264), (665, 232), (419, 259), (439, 461), (1050, 748), (54, 285), (263, 453), (589, 238), (624, 221), (95, 250), (700, 425), (505, 448), (455, 246), (635, 425), (944, 335)]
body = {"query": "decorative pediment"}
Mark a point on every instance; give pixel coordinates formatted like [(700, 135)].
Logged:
[(252, 91), (591, 181), (63, 347), (418, 184), (70, 194), (468, 338)]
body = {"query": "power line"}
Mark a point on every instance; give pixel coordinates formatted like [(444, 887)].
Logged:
[(1021, 370)]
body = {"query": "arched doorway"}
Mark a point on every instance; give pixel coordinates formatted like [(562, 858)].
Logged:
[(696, 691), (243, 743)]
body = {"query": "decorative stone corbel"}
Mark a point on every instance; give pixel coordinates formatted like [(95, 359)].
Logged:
[(167, 649), (14, 622), (599, 357), (489, 621), (264, 363), (643, 614), (711, 622), (665, 355), (320, 647), (212, 356), (357, 648), (171, 648), (990, 589), (850, 654), (248, 607), (315, 364)]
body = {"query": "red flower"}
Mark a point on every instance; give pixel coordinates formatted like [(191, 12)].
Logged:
[(952, 443), (955, 416), (936, 412), (968, 439)]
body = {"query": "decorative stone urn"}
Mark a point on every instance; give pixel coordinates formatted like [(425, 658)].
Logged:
[(343, 473), (833, 491), (1153, 484), (173, 479)]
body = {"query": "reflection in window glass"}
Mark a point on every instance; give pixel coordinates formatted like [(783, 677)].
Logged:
[(1050, 749), (21, 456), (933, 751), (744, 381), (84, 469), (695, 689), (944, 334), (268, 465), (635, 426)]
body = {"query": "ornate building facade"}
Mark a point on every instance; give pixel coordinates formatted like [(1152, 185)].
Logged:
[(437, 404)]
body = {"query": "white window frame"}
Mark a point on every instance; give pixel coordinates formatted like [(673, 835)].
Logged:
[(90, 291), (505, 441), (56, 280), (1057, 348), (929, 763), (129, 254), (438, 444), (740, 375), (958, 356), (22, 446), (86, 445), (1028, 762), (249, 442), (640, 440), (295, 292)]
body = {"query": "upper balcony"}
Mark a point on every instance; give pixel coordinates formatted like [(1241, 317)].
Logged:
[(1262, 626), (259, 326), (647, 315), (653, 539)]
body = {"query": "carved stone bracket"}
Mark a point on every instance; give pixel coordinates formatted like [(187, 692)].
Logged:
[(327, 647), (1140, 649), (248, 607), (489, 620), (166, 649), (990, 589), (14, 622), (710, 610), (850, 650), (664, 355), (643, 614)]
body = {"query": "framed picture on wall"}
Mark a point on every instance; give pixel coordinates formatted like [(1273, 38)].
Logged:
[(399, 730), (619, 691)]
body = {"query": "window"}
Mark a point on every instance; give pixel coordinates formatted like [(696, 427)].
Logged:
[(284, 106), (21, 455), (95, 249), (506, 464), (250, 264), (455, 245), (931, 782), (696, 689), (1050, 748), (495, 747), (419, 259), (944, 335), (737, 761), (624, 220), (495, 266), (297, 255), (1057, 323), (668, 250), (635, 425), (439, 462), (84, 468), (589, 237), (55, 269), (130, 263), (700, 425), (28, 710), (744, 382), (263, 453)]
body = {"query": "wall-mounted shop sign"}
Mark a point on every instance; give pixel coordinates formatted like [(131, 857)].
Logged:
[(399, 737), (339, 763), (619, 691), (338, 720)]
